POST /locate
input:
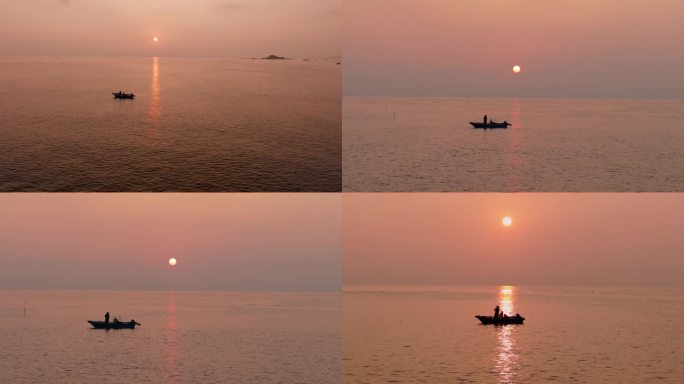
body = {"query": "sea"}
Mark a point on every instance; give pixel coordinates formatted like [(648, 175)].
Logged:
[(196, 124), (184, 337), (394, 144), (426, 334)]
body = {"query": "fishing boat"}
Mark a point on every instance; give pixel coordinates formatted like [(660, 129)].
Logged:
[(506, 320), (113, 325), (490, 124), (123, 95)]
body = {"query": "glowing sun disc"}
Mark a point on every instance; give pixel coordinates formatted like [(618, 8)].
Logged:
[(156, 39), (172, 261), (507, 221), (516, 69)]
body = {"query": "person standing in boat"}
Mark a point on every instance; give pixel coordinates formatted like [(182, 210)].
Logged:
[(485, 119), (107, 318), (496, 312)]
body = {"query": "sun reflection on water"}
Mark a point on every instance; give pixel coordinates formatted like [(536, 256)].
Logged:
[(171, 329), (154, 111), (515, 159), (506, 361)]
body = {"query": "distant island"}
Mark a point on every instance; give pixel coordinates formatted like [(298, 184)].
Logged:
[(274, 57)]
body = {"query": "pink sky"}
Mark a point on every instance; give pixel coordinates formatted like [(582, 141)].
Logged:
[(555, 239), (124, 241), (208, 28), (581, 48)]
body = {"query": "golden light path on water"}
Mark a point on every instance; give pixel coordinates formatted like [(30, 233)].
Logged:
[(154, 112), (506, 363), (517, 147), (153, 109), (171, 330)]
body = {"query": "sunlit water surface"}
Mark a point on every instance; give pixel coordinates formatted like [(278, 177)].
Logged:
[(195, 125), (553, 145), (570, 335), (185, 337)]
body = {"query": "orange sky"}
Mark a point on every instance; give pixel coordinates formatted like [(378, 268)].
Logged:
[(208, 28), (123, 241), (292, 241), (555, 239), (580, 48)]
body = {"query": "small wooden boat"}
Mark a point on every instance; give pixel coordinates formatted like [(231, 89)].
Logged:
[(486, 320), (123, 95), (113, 324), (505, 124)]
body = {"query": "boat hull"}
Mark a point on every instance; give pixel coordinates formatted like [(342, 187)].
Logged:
[(489, 125), (487, 320), (128, 96), (111, 325)]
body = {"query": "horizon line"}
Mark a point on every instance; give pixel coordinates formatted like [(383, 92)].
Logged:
[(513, 97)]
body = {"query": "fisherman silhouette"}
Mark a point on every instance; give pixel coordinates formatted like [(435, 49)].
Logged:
[(496, 312), (107, 318), (485, 119)]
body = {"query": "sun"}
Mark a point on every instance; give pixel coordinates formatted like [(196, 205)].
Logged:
[(506, 290), (516, 69), (155, 39), (507, 221), (172, 261)]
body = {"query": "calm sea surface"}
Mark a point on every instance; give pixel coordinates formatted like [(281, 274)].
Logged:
[(185, 337), (195, 125), (570, 335), (553, 145)]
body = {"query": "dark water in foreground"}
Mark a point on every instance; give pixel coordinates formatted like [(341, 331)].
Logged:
[(554, 145), (195, 125), (185, 337), (571, 335)]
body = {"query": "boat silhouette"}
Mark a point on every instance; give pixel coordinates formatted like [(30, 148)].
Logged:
[(113, 324), (123, 95), (490, 124), (501, 320)]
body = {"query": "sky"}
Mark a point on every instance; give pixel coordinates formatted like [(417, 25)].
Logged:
[(263, 242), (555, 239), (567, 49), (205, 28)]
